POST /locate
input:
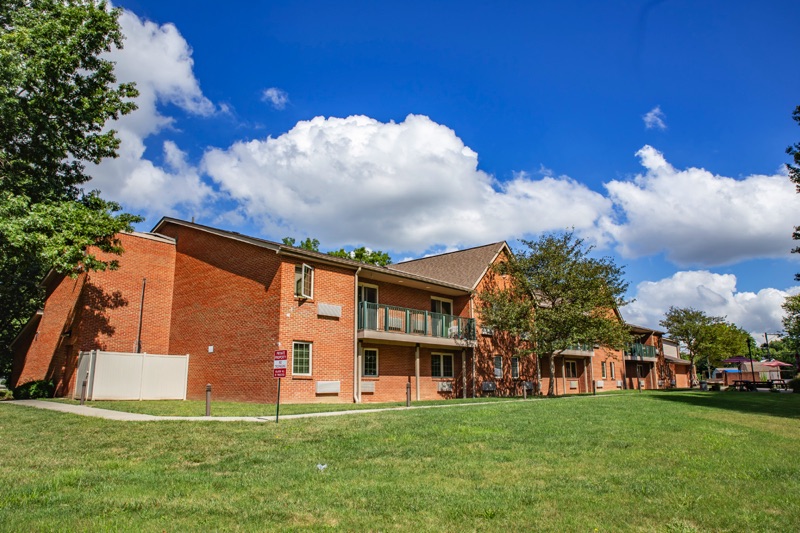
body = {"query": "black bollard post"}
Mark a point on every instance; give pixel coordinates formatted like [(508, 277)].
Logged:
[(83, 389), (594, 387), (208, 399)]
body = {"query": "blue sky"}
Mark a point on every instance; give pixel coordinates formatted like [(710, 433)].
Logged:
[(656, 129)]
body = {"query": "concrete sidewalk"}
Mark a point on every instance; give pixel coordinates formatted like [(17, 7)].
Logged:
[(85, 410)]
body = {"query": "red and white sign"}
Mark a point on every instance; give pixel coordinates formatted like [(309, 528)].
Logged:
[(279, 366)]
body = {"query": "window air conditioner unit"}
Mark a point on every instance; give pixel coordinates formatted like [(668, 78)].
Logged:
[(445, 386)]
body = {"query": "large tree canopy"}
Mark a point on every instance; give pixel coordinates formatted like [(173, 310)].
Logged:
[(57, 93), (709, 337), (557, 296), (794, 175)]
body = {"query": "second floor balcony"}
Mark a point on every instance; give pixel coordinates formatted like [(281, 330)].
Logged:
[(390, 322), (640, 351)]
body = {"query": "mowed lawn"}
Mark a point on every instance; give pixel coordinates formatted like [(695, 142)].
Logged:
[(627, 462)]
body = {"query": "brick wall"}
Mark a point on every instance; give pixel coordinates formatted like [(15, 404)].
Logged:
[(226, 296), (100, 310), (333, 339)]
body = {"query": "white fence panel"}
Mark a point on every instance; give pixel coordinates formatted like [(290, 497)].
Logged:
[(117, 376), (164, 377), (132, 376)]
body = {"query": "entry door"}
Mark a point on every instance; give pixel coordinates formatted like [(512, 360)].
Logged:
[(368, 306), (439, 323)]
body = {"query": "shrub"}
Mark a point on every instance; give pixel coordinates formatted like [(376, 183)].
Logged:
[(6, 395), (35, 389)]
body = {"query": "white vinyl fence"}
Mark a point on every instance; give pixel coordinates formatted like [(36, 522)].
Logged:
[(132, 376)]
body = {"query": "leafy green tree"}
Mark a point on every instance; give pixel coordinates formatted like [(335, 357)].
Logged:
[(695, 330), (364, 255), (791, 322), (312, 245), (557, 296), (56, 95), (794, 175)]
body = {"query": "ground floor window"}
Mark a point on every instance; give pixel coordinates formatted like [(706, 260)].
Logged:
[(442, 365), (498, 367), (571, 369), (603, 369), (301, 359), (515, 367), (370, 363), (612, 370)]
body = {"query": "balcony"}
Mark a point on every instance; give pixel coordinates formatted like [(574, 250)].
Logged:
[(638, 351), (393, 323)]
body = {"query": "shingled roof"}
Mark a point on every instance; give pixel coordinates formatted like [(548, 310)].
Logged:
[(464, 267)]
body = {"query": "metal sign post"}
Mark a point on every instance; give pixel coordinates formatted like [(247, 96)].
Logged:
[(279, 371)]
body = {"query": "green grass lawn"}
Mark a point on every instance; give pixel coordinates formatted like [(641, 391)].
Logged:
[(632, 462), (198, 407)]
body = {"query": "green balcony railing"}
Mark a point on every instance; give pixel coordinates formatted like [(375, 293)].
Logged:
[(638, 350), (394, 319), (581, 347)]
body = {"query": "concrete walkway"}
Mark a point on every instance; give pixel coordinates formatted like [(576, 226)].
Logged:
[(85, 410)]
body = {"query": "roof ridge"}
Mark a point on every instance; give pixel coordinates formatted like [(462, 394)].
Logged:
[(449, 253)]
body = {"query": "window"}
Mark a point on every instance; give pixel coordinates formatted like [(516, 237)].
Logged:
[(515, 367), (603, 369), (571, 369), (442, 365), (612, 370), (301, 359), (304, 281), (370, 363), (498, 367), (639, 371)]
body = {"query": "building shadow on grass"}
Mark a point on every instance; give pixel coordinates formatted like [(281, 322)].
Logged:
[(760, 403)]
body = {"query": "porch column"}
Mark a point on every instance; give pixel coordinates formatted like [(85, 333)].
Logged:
[(463, 373), (586, 374), (563, 374), (473, 372), (416, 368)]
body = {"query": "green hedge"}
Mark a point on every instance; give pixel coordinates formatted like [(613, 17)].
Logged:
[(34, 389)]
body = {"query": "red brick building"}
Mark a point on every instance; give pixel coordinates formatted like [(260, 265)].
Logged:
[(352, 332)]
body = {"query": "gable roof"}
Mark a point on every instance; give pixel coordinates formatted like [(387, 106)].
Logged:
[(464, 267), (375, 271)]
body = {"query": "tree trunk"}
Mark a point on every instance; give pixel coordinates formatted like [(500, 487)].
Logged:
[(550, 391), (692, 373), (538, 375)]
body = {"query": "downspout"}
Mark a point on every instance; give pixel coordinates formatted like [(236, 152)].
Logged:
[(138, 347), (356, 369), (472, 316)]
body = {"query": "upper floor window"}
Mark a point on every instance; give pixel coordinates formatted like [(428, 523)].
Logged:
[(304, 281), (603, 369)]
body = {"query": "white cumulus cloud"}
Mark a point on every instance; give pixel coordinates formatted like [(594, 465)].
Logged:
[(655, 119), (278, 98), (697, 218), (403, 186), (715, 294), (159, 60)]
